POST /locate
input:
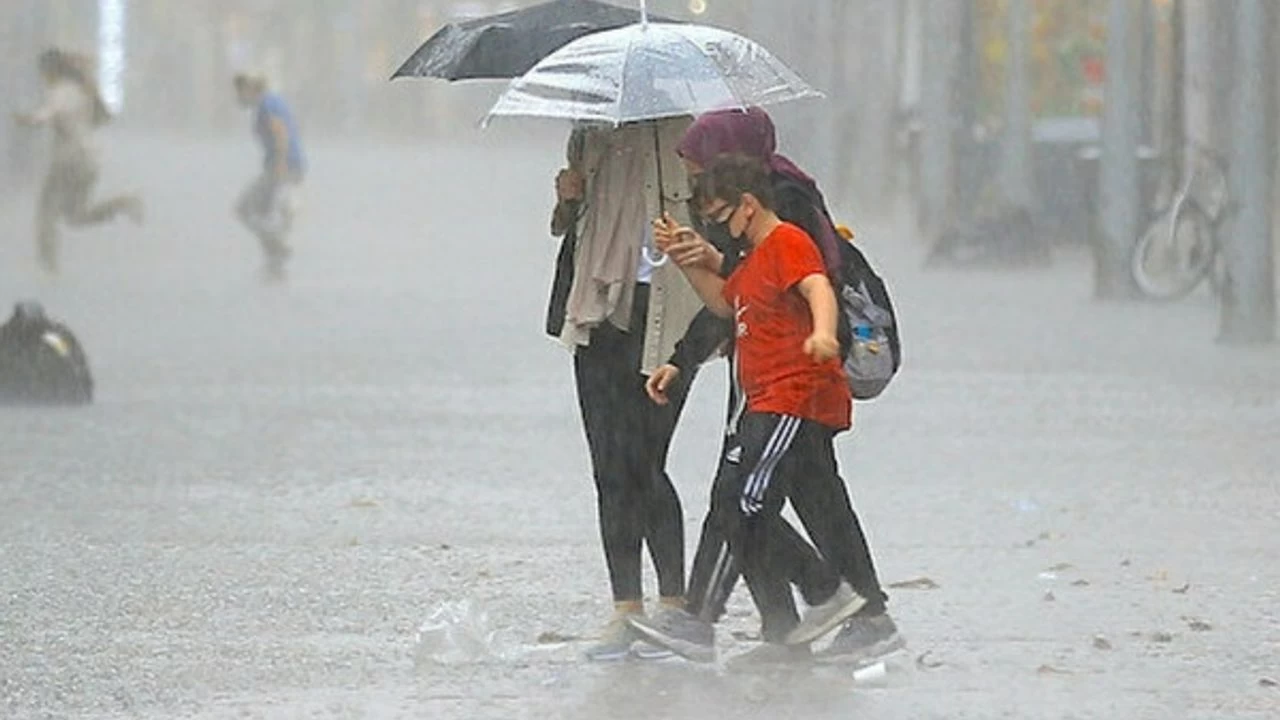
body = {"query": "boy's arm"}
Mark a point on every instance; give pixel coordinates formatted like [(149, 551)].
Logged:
[(817, 291), (710, 287), (706, 282)]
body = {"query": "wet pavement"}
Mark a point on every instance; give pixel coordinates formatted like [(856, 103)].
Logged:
[(279, 485)]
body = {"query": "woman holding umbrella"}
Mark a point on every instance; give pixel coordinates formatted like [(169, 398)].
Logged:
[(620, 314), (623, 172)]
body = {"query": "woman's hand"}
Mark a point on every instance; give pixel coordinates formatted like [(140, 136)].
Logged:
[(570, 185), (659, 381)]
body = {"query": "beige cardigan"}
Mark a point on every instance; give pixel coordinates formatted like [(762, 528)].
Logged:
[(610, 232)]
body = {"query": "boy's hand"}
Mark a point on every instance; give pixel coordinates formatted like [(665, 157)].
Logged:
[(659, 381), (691, 250), (822, 347), (24, 119), (685, 245), (569, 185), (665, 232)]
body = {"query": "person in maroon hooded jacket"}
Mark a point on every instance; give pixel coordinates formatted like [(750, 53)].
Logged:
[(689, 631)]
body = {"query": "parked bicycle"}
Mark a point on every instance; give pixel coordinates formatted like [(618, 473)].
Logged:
[(1181, 246)]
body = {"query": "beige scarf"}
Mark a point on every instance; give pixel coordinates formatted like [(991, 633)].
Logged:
[(611, 229)]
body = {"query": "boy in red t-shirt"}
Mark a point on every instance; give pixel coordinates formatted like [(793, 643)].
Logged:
[(787, 361)]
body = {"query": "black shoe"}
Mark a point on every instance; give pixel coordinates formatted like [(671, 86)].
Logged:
[(863, 640)]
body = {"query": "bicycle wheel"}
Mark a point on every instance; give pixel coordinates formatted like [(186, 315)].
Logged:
[(1169, 264)]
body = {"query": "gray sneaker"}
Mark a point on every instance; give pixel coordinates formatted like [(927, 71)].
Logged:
[(615, 642), (681, 632), (649, 652), (822, 619), (771, 655), (863, 640)]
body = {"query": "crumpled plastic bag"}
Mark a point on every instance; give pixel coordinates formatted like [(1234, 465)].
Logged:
[(458, 633)]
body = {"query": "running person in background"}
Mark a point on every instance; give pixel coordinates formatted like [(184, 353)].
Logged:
[(74, 110), (268, 206)]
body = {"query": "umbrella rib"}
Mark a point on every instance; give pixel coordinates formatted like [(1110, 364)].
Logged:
[(622, 78)]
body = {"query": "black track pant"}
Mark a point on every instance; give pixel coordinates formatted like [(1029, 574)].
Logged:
[(776, 458), (628, 437)]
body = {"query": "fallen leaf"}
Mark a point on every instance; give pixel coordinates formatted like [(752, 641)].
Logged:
[(1101, 643), (1061, 567), (1046, 536), (1162, 637), (1182, 590), (1081, 583), (745, 636), (1051, 670), (1197, 625), (1050, 597), (446, 546), (1125, 563), (551, 637), (920, 583), (1159, 576), (1268, 682), (924, 663), (364, 502)]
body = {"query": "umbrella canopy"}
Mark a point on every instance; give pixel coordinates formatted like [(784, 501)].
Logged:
[(506, 45), (650, 71)]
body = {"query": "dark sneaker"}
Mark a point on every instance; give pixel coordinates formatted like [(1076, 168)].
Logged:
[(680, 631), (615, 642), (771, 655), (822, 619), (863, 640)]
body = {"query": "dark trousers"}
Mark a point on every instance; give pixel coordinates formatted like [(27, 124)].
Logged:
[(779, 458), (628, 437), (715, 570)]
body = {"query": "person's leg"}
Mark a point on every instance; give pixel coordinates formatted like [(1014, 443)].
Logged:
[(822, 503), (826, 511), (751, 509), (79, 212), (612, 422), (48, 211), (618, 500), (254, 208), (664, 515)]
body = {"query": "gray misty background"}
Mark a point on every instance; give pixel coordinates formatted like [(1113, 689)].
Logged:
[(278, 486)]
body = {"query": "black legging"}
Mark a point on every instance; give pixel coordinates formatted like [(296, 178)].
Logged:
[(628, 437)]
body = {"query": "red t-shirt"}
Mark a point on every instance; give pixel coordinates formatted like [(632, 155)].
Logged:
[(773, 321)]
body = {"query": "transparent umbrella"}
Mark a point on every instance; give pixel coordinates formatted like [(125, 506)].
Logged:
[(650, 71)]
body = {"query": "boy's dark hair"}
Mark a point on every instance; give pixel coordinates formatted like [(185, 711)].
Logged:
[(732, 175)]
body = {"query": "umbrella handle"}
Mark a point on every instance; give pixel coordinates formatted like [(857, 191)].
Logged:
[(655, 259)]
